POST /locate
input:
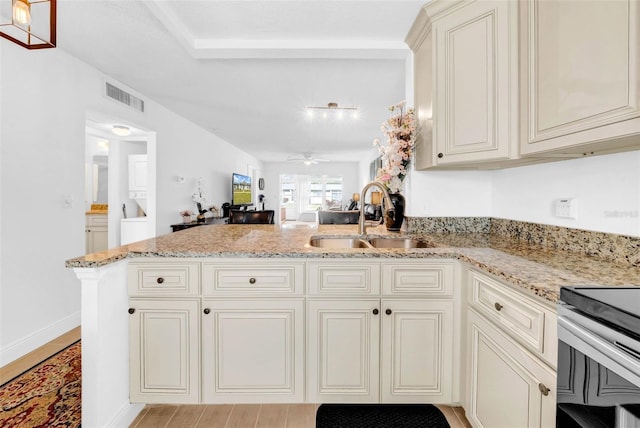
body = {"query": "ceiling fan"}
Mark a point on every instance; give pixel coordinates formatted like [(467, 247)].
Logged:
[(306, 159)]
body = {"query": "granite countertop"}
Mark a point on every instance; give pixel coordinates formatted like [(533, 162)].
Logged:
[(539, 270)]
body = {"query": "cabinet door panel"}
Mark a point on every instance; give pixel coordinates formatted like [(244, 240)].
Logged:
[(417, 351), (343, 351), (580, 63), (473, 74), (163, 345), (502, 375), (253, 351)]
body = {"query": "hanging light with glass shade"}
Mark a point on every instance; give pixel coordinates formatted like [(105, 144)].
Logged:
[(29, 23)]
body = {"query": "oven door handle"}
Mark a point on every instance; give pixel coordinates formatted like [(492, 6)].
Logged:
[(599, 349)]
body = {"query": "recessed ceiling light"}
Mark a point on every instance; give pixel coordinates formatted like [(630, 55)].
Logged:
[(121, 130)]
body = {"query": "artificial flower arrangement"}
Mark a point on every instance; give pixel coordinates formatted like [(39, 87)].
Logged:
[(200, 200), (400, 130)]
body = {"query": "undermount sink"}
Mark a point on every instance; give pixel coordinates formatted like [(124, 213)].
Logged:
[(350, 242), (398, 243), (339, 243)]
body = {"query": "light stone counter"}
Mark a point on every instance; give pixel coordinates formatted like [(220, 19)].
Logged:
[(539, 270)]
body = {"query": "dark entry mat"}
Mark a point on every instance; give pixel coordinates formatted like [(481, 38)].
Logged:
[(380, 416)]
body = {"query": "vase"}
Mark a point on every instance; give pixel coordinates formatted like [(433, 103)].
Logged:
[(394, 223), (186, 219)]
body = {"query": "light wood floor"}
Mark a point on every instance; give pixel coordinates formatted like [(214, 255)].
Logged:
[(249, 416), (210, 416), (38, 355)]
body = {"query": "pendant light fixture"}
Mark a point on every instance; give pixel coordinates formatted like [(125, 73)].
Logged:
[(32, 24), (21, 13)]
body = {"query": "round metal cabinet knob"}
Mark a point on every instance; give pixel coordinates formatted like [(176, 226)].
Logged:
[(498, 306), (252, 280), (388, 312), (207, 311), (160, 280), (131, 310), (440, 155), (376, 311)]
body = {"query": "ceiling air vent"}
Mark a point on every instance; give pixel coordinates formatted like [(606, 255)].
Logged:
[(124, 97)]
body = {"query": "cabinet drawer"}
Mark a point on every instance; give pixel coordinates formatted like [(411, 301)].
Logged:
[(418, 278), (343, 277), (521, 317), (253, 277), (97, 220), (163, 279)]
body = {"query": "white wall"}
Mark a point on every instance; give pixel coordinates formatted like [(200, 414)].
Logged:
[(607, 189), (45, 97), (448, 193), (350, 172)]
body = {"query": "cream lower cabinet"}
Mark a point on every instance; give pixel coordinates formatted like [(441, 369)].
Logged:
[(253, 331), (508, 386), (374, 348), (164, 341), (416, 351), (511, 356), (252, 351), (96, 233), (343, 351)]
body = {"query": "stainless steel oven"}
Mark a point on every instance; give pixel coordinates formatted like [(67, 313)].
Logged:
[(598, 357)]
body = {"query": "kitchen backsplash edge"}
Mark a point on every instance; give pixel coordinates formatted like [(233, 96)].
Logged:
[(616, 248)]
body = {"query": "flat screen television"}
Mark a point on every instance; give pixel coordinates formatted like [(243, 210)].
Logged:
[(241, 190)]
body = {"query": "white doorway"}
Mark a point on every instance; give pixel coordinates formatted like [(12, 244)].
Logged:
[(122, 203)]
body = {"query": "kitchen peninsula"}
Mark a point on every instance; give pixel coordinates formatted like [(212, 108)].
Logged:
[(233, 288)]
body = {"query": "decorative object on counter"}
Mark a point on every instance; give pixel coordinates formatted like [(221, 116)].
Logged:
[(199, 199), (186, 216), (215, 211), (400, 130), (261, 199), (394, 223)]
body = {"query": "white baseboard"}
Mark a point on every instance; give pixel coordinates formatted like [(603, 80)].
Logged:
[(23, 346), (127, 414)]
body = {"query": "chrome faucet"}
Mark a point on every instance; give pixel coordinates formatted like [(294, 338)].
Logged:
[(390, 211)]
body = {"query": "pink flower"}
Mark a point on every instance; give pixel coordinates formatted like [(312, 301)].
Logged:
[(400, 130)]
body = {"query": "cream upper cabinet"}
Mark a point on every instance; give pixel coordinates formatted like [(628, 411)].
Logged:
[(580, 76), (465, 66)]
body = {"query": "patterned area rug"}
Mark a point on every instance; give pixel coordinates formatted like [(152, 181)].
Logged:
[(380, 416), (47, 395)]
